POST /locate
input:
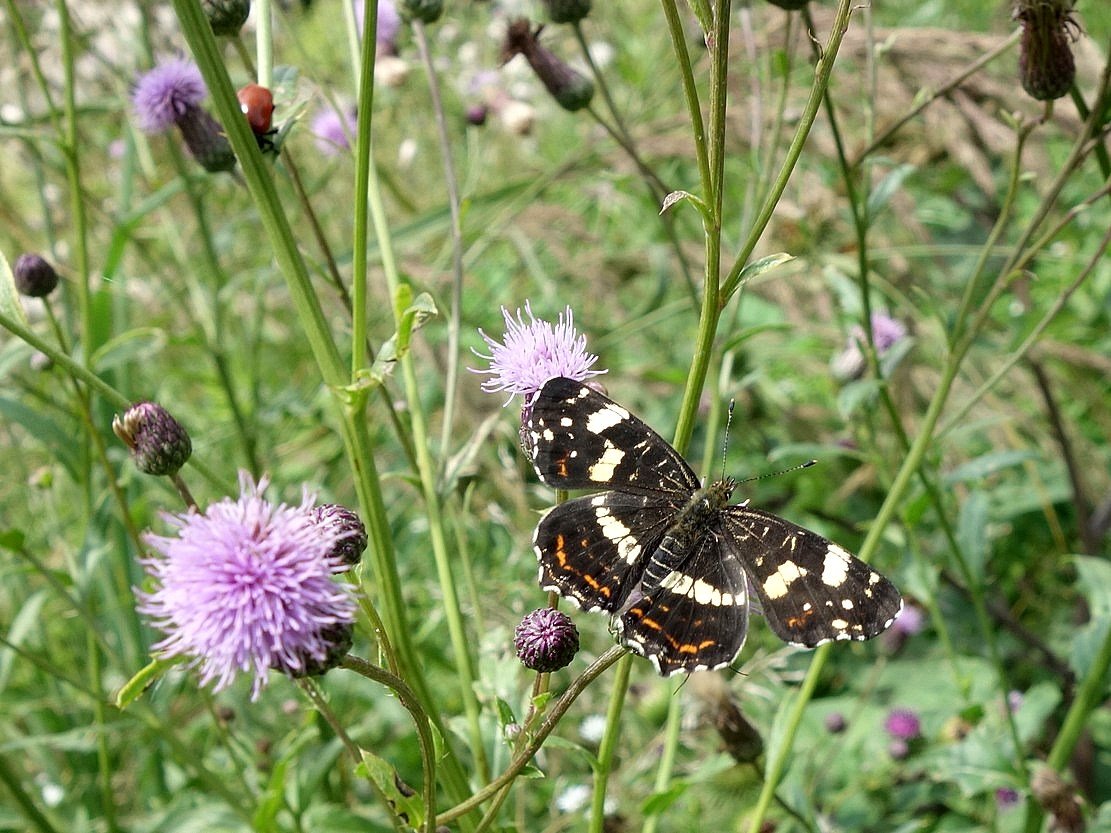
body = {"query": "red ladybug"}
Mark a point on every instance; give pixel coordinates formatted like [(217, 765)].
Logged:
[(257, 105)]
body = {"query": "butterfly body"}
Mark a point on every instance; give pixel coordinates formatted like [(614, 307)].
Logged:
[(672, 561)]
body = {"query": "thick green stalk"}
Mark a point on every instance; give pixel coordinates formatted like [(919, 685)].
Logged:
[(608, 747)]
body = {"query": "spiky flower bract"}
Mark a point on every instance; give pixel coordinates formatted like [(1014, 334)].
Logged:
[(530, 353), (158, 442), (166, 93), (247, 586), (546, 640)]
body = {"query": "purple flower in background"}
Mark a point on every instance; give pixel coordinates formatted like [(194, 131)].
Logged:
[(886, 333), (1006, 798), (333, 132), (909, 621), (166, 93), (389, 23), (247, 586), (533, 352), (902, 724)]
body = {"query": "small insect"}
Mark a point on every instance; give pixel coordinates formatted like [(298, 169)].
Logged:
[(257, 104), (672, 561)]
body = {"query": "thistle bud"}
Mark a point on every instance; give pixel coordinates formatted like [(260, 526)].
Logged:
[(158, 443), (546, 640), (426, 11), (348, 530), (34, 276), (206, 140), (1045, 61), (336, 639), (789, 5), (571, 89), (226, 17), (567, 11)]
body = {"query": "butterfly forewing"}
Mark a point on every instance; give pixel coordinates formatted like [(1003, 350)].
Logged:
[(811, 590), (579, 439)]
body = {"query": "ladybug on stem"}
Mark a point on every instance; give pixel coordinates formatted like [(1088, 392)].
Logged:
[(257, 104)]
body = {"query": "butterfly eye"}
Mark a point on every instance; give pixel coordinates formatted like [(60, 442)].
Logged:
[(257, 104)]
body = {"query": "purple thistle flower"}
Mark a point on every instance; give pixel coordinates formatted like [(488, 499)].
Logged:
[(247, 586), (389, 23), (902, 724), (886, 333), (532, 353), (546, 640), (909, 621), (1006, 798), (332, 131), (165, 94)]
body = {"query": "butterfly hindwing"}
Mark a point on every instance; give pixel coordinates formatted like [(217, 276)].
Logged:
[(579, 439), (590, 546), (697, 618), (811, 590)]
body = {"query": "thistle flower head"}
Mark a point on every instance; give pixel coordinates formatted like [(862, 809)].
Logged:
[(332, 131), (533, 352), (247, 586), (902, 724), (166, 93), (546, 640)]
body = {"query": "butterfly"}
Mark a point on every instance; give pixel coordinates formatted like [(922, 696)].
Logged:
[(672, 561)]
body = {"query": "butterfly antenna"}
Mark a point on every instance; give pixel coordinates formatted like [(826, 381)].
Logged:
[(725, 442), (805, 465)]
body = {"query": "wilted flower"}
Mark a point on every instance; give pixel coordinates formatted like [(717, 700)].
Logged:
[(902, 724), (1045, 61), (34, 276), (158, 443), (532, 353), (571, 89), (247, 586), (546, 640)]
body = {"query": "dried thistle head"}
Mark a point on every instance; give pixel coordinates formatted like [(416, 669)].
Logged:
[(1045, 62)]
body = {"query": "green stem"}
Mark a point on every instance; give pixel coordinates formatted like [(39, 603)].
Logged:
[(608, 747)]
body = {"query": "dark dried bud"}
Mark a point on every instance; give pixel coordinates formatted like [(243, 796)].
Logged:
[(206, 140), (835, 723), (1045, 61), (571, 89), (1059, 799), (338, 638), (789, 5), (426, 11), (349, 530), (158, 443), (226, 17), (567, 11), (34, 276), (546, 640)]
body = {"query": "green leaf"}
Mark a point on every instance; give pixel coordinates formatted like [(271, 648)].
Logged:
[(134, 688), (382, 773), (680, 196), (659, 802), (412, 315), (10, 305), (759, 267), (981, 467), (1094, 582), (972, 533), (885, 189)]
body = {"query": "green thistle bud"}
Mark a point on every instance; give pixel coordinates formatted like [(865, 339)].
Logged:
[(226, 17), (337, 640), (426, 11), (34, 276), (1045, 61), (567, 11), (571, 89), (158, 443)]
